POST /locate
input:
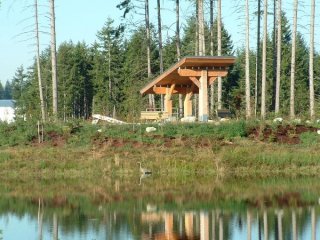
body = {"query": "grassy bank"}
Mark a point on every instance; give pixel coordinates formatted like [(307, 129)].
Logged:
[(82, 150)]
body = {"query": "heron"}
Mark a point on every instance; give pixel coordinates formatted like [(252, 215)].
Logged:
[(144, 171)]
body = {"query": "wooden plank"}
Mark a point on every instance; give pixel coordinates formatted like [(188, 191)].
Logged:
[(197, 73), (195, 81), (153, 115), (211, 80), (177, 90)]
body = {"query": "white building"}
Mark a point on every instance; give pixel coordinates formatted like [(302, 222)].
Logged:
[(7, 111)]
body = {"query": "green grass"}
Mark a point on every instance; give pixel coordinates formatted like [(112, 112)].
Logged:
[(180, 149), (309, 139), (22, 133)]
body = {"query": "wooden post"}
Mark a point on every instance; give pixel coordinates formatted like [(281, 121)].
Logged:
[(168, 101), (203, 97), (188, 104)]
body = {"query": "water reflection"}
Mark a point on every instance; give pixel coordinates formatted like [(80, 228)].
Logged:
[(206, 224)]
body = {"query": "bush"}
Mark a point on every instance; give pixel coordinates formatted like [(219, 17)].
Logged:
[(309, 138), (17, 133)]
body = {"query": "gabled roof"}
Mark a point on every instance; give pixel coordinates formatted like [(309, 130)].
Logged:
[(7, 103), (172, 76)]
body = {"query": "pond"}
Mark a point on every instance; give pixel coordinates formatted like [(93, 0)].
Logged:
[(211, 209)]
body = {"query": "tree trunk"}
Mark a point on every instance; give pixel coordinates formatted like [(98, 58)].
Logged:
[(196, 53), (277, 103), (54, 62), (219, 54), (258, 64), (274, 57), (202, 49), (293, 59), (43, 113), (160, 46), (110, 80), (211, 53), (311, 84), (178, 50), (151, 96), (264, 61), (248, 106), (55, 227), (178, 30), (40, 220)]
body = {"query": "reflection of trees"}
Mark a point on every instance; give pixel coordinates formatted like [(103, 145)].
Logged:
[(113, 220)]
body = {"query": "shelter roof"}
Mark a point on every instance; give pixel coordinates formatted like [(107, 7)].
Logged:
[(180, 73)]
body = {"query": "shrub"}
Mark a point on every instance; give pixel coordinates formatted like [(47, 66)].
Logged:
[(309, 138)]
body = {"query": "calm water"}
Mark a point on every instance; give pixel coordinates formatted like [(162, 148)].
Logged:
[(166, 214)]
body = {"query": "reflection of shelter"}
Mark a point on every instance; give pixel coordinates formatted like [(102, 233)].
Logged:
[(191, 75)]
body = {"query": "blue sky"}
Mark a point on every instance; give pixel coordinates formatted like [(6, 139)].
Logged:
[(79, 20)]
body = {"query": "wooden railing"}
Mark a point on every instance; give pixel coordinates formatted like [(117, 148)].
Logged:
[(155, 114)]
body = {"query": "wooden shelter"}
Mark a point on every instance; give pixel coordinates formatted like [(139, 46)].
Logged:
[(191, 75)]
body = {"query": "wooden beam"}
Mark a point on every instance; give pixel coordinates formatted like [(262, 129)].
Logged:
[(197, 73), (195, 81), (177, 90), (211, 80), (172, 88)]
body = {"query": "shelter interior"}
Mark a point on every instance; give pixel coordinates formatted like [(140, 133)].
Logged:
[(189, 76)]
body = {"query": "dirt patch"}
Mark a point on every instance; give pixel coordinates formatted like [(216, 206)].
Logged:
[(286, 134), (56, 139), (50, 138)]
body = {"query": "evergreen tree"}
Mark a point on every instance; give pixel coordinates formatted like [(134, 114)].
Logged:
[(26, 93), (1, 91), (7, 91), (108, 58), (136, 72), (18, 82), (65, 64)]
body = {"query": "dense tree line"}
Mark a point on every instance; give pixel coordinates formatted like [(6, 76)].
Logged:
[(5, 91), (106, 76)]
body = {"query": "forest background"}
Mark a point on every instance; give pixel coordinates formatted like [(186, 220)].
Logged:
[(106, 77)]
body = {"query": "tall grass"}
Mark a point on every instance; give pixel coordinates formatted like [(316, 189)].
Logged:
[(76, 133)]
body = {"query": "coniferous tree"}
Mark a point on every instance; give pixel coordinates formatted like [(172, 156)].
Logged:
[(7, 90), (18, 82), (101, 98), (1, 91), (135, 72), (65, 87), (110, 60)]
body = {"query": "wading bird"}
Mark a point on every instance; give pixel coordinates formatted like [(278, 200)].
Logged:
[(144, 170)]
